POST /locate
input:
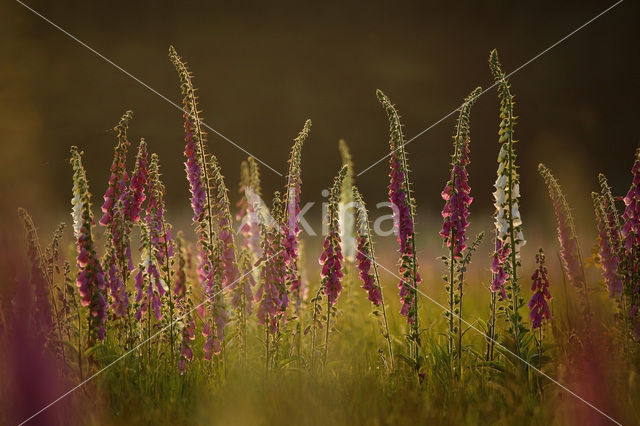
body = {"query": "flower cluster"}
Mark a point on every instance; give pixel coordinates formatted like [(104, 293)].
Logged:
[(631, 240), (331, 257), (364, 252), (570, 251), (609, 240), (251, 193), (184, 304), (456, 191), (91, 283), (498, 269), (118, 178), (193, 167), (508, 222), (118, 263), (157, 248), (631, 215), (272, 292), (212, 216), (41, 314), (538, 305), (135, 195), (291, 225), (403, 212)]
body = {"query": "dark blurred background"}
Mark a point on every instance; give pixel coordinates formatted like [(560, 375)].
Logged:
[(263, 69)]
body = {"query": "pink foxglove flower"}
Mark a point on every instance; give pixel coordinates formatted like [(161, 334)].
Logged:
[(272, 291), (212, 217), (331, 257), (456, 193), (247, 216), (631, 239), (608, 240), (135, 195), (91, 282), (118, 178), (538, 305), (570, 251), (182, 292), (41, 311), (118, 262), (291, 226), (403, 211), (500, 276), (157, 248)]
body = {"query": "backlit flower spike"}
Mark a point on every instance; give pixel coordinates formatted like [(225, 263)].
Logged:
[(182, 291), (631, 215), (346, 210), (272, 291), (117, 261), (41, 312), (612, 214), (508, 222), (212, 216), (456, 193), (91, 283), (498, 269), (404, 213), (135, 196), (291, 225), (154, 273), (331, 258), (570, 250), (631, 243), (538, 305), (118, 179), (606, 248), (251, 193), (364, 251)]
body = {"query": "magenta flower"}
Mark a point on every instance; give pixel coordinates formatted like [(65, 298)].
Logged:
[(331, 261), (631, 239), (457, 202), (500, 276), (607, 250), (364, 268), (41, 311), (212, 217), (403, 223), (631, 215), (120, 304), (272, 291), (331, 257), (403, 213), (570, 251), (538, 305), (135, 196), (193, 168), (118, 178), (292, 225), (91, 283), (247, 216)]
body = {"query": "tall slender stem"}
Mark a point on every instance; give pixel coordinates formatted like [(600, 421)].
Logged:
[(326, 336), (451, 294)]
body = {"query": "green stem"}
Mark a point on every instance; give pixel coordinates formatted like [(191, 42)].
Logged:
[(326, 336)]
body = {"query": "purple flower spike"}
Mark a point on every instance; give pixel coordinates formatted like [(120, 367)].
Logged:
[(538, 305)]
